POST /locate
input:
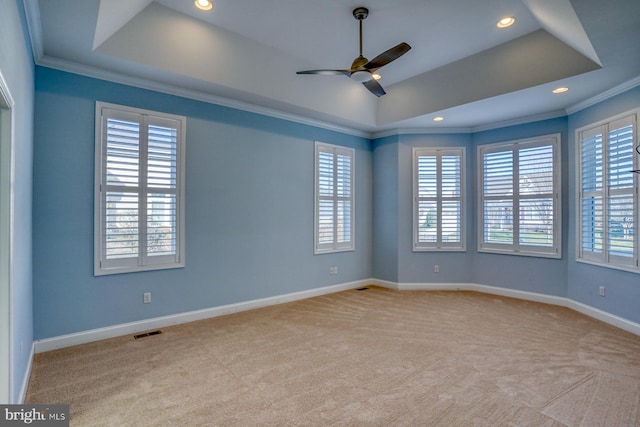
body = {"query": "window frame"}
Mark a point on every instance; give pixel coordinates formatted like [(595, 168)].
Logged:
[(516, 247), (335, 245), (439, 244), (605, 258), (143, 261)]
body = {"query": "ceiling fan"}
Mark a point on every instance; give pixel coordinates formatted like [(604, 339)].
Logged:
[(362, 69)]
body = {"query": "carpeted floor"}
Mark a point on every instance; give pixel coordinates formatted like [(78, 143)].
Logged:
[(371, 357)]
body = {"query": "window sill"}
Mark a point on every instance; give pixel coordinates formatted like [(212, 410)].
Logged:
[(625, 268), (551, 255)]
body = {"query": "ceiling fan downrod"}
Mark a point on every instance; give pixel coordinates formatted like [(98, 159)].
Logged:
[(360, 13)]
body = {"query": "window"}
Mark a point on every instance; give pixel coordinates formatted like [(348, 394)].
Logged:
[(608, 193), (438, 194), (333, 198), (139, 194), (519, 191)]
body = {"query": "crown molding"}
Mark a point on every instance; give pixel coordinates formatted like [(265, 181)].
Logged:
[(34, 25), (617, 90), (33, 20), (149, 84), (32, 12), (145, 83), (420, 131), (520, 121), (480, 128)]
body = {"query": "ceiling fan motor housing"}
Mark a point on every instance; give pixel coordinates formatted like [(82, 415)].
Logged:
[(360, 13)]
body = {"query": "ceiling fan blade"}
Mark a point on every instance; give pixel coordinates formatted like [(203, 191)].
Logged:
[(387, 56), (374, 87), (327, 72)]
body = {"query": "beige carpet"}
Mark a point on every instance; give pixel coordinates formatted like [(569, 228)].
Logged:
[(372, 357)]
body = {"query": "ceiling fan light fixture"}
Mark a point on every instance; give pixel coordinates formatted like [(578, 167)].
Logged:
[(361, 76), (362, 70), (505, 22), (204, 4)]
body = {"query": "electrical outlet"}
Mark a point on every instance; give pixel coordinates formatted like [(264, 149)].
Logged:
[(146, 298), (602, 291), (333, 270), (436, 268)]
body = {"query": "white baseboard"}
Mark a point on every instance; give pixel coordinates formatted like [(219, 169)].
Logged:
[(61, 341), (384, 284), (601, 315), (27, 375), (84, 337), (525, 295), (495, 290)]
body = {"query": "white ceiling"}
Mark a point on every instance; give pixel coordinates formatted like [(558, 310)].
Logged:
[(245, 53)]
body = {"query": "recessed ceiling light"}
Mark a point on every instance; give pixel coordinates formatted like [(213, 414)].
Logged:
[(376, 76), (204, 4), (438, 119), (505, 22), (560, 90)]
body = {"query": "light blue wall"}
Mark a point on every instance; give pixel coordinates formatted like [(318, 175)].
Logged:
[(249, 210), (417, 267), (622, 288), (16, 65), (540, 275), (394, 259), (250, 219), (385, 209)]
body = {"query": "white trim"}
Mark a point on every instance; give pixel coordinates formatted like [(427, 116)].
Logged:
[(335, 198), (27, 375), (145, 119), (438, 153), (473, 129), (32, 12), (84, 337), (384, 284), (517, 197), (34, 26), (519, 121), (617, 90), (7, 168), (605, 317), (436, 286), (605, 258), (419, 131), (485, 289), (523, 295), (587, 310), (149, 84)]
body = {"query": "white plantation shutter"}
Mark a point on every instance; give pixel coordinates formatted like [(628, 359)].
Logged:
[(334, 202), (438, 214), (520, 197), (591, 194), (608, 194), (139, 185), (121, 220), (498, 197), (535, 214)]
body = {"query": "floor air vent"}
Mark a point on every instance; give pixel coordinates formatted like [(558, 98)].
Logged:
[(362, 289), (146, 334)]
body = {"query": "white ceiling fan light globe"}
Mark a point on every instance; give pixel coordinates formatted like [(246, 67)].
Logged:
[(361, 76)]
